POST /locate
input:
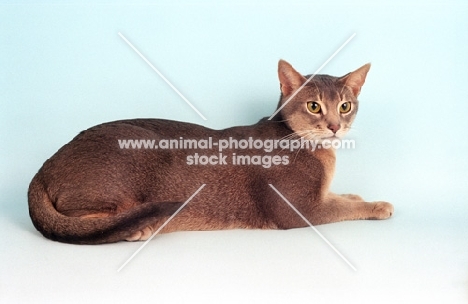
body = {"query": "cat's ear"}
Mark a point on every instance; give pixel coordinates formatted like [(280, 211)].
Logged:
[(355, 80), (289, 78)]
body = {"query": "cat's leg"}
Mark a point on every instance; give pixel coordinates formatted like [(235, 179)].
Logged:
[(336, 208), (353, 197)]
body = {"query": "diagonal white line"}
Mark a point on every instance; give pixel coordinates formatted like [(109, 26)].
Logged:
[(161, 75), (313, 75), (311, 226), (160, 228)]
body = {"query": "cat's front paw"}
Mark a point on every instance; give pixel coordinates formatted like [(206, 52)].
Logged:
[(381, 211), (353, 197)]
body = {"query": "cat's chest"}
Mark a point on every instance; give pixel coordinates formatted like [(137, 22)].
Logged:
[(327, 158), (313, 167)]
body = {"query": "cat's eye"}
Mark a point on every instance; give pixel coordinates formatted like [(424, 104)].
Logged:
[(345, 108), (313, 107)]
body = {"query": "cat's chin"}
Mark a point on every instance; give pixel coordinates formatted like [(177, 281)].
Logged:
[(330, 138)]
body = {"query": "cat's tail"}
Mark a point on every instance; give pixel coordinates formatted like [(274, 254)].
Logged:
[(79, 230)]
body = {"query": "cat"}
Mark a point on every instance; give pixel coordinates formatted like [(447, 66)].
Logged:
[(96, 190)]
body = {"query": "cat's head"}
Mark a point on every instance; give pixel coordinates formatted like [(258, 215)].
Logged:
[(325, 107)]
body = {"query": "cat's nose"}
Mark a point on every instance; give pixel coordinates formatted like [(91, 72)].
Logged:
[(334, 128)]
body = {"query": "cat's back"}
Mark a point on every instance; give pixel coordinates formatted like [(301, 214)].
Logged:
[(143, 127), (110, 142)]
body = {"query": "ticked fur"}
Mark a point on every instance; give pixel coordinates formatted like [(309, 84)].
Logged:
[(92, 191)]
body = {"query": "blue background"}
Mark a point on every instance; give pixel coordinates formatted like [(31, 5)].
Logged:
[(63, 68)]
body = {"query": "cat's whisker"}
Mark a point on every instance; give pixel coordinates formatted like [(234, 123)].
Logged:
[(291, 137), (297, 135), (308, 136), (297, 153), (300, 136)]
